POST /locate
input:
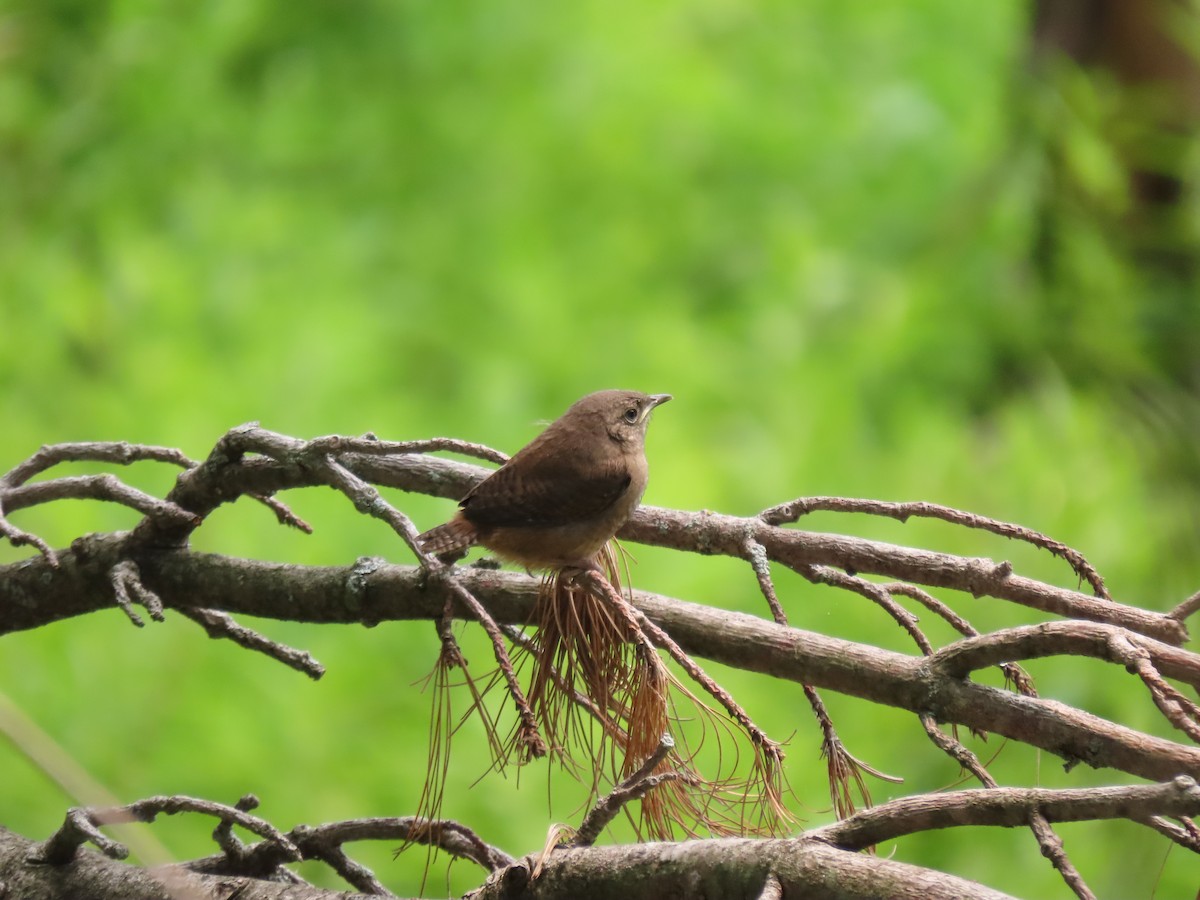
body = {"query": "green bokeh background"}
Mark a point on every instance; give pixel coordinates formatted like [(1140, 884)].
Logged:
[(809, 222)]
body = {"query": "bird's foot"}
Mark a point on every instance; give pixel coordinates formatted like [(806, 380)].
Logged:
[(573, 571)]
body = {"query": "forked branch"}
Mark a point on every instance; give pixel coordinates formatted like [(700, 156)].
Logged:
[(152, 567)]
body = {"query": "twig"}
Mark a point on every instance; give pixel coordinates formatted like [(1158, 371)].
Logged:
[(966, 760), (1186, 608), (1013, 674), (355, 873), (372, 446), (126, 579), (116, 452), (221, 625), (634, 787), (933, 604), (15, 493), (367, 499), (223, 833), (873, 592), (99, 487), (528, 734), (1186, 834), (1052, 848), (81, 824), (1180, 710), (93, 487), (452, 837), (791, 511), (283, 512), (13, 497), (841, 766), (18, 537), (200, 489), (756, 555), (325, 842)]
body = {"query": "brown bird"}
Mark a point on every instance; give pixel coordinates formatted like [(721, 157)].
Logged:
[(557, 502)]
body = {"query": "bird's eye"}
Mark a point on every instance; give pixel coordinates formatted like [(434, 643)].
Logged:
[(631, 415)]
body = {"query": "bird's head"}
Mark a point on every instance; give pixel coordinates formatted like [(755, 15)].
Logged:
[(624, 414)]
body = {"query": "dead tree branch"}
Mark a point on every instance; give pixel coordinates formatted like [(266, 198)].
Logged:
[(33, 593), (152, 566)]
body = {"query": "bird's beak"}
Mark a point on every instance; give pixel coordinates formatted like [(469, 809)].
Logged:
[(658, 399)]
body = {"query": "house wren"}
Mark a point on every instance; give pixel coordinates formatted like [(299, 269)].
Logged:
[(557, 502)]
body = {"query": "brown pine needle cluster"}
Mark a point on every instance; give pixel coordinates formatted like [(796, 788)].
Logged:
[(603, 697), (442, 726)]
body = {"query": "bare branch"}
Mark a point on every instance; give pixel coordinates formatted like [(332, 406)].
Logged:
[(1186, 608), (1061, 638), (216, 480), (221, 625), (710, 533), (20, 538), (844, 771), (12, 497), (283, 513), (367, 500), (153, 562), (94, 487), (98, 487), (223, 833), (966, 760), (873, 592), (200, 489), (116, 452), (529, 735), (372, 446), (740, 866), (933, 604), (1053, 850), (325, 842), (1186, 834), (791, 511), (1010, 807), (81, 826), (756, 555), (33, 593), (1180, 710)]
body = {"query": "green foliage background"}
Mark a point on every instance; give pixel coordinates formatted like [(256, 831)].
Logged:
[(809, 222)]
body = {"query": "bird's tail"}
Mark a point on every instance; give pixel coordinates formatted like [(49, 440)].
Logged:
[(455, 537)]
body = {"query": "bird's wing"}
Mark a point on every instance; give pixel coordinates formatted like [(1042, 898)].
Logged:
[(555, 491)]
